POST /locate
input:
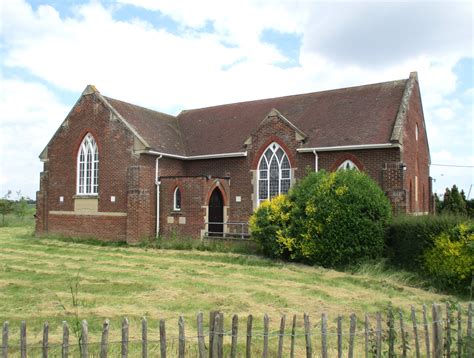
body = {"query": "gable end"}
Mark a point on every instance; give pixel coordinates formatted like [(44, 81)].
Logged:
[(397, 132)]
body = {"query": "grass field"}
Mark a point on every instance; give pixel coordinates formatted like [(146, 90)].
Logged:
[(36, 276)]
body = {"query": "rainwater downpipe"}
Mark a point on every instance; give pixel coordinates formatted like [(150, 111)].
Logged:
[(157, 183), (316, 158)]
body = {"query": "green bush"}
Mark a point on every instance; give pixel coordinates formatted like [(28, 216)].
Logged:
[(329, 219), (408, 237), (450, 262)]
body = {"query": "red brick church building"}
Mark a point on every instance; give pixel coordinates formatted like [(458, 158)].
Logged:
[(117, 171)]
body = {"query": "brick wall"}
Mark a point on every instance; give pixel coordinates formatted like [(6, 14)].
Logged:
[(115, 144), (415, 155), (130, 177), (103, 227)]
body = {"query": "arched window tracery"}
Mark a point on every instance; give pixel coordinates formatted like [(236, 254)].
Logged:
[(274, 173), (347, 164), (88, 167)]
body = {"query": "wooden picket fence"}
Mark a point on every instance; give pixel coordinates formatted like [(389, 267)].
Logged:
[(441, 336)]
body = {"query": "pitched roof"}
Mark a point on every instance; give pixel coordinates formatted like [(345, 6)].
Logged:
[(348, 116), (343, 117), (158, 129)]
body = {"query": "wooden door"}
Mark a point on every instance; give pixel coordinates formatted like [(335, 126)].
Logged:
[(216, 213)]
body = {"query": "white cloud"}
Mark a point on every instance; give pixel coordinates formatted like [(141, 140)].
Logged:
[(378, 34), (30, 114), (136, 62)]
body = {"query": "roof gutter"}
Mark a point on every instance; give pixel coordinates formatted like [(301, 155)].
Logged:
[(197, 157), (348, 147)]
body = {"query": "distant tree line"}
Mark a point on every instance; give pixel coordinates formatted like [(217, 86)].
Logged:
[(454, 202), (18, 206)]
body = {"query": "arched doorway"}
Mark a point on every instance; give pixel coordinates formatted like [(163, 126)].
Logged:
[(216, 213)]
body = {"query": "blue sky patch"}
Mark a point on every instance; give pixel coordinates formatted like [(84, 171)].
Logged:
[(227, 67), (155, 18), (289, 45), (464, 69), (65, 8), (65, 96)]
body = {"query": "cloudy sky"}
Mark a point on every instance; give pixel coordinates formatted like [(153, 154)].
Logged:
[(172, 55)]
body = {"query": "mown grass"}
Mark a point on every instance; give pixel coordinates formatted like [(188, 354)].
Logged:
[(36, 276)]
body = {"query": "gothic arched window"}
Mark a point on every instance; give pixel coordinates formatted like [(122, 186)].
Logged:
[(274, 173), (177, 199), (347, 164), (88, 167)]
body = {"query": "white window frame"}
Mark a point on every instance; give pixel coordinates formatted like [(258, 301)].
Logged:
[(349, 162), (274, 148), (175, 207), (87, 176)]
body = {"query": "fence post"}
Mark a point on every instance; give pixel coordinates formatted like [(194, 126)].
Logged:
[(5, 340), (352, 332), (324, 334), (427, 332), (339, 336), (65, 345), (307, 333), (235, 331), (366, 335), (378, 335), (248, 349), (45, 339), (459, 333), (402, 332), (470, 340), (104, 341), (23, 339), (293, 335), (84, 339), (280, 336), (125, 338), (212, 328), (448, 330), (182, 338), (220, 343), (200, 333), (215, 340), (162, 338), (391, 333), (415, 332), (144, 338), (437, 331), (265, 336)]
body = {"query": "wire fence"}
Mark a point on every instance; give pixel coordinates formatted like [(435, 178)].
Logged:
[(436, 332)]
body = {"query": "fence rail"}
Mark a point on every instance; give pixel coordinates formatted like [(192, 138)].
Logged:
[(444, 335), (230, 230)]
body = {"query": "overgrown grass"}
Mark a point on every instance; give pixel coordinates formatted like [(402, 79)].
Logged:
[(178, 242), (114, 281), (12, 220)]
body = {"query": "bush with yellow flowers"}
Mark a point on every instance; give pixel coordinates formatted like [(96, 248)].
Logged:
[(328, 219), (268, 223), (450, 262)]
